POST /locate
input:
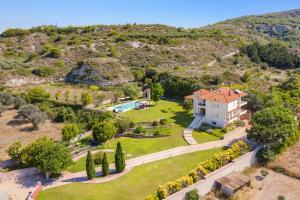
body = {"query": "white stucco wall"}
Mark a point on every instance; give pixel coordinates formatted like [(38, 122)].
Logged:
[(216, 112)]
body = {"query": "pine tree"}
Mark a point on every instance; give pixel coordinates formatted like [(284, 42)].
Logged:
[(105, 165), (90, 166), (119, 159)]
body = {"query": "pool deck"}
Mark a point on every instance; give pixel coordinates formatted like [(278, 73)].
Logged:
[(113, 107)]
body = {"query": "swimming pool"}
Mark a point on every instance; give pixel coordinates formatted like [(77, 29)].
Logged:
[(123, 107)]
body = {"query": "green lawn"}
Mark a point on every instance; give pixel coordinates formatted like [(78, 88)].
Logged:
[(133, 147), (202, 137), (79, 165), (171, 110), (138, 183)]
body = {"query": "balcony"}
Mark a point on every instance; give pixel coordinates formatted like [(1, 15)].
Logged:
[(201, 104), (243, 112), (242, 103)]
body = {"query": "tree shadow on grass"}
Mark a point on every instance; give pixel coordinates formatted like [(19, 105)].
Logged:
[(183, 119)]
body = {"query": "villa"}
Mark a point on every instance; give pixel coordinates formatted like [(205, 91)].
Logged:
[(219, 107)]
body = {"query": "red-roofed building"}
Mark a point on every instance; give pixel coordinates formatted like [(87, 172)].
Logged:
[(218, 107)]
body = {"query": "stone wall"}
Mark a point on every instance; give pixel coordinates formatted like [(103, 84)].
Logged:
[(204, 186)]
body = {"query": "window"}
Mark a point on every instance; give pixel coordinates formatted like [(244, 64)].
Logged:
[(214, 123)]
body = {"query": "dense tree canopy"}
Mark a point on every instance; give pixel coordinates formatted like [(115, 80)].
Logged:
[(156, 91), (45, 154), (274, 128), (275, 54), (104, 130), (132, 90)]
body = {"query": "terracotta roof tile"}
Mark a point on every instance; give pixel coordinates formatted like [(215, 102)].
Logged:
[(224, 95)]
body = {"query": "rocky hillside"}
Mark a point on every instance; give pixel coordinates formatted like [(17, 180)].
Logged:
[(111, 55)]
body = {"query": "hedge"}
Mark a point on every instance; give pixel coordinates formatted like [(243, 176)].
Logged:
[(215, 162)]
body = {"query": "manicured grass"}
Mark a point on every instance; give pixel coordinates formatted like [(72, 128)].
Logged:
[(79, 165), (202, 137), (133, 147), (171, 110), (138, 183)]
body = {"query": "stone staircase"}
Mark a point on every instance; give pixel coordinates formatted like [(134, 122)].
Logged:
[(187, 133)]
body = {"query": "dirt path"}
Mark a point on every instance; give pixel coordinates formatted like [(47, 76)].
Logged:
[(210, 64)]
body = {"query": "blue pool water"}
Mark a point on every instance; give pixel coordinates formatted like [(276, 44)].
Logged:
[(125, 106)]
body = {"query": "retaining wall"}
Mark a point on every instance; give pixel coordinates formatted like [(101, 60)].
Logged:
[(204, 186)]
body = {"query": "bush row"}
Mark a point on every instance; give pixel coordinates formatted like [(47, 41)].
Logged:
[(215, 162)]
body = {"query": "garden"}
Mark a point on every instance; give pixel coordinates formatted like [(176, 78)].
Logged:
[(142, 180)]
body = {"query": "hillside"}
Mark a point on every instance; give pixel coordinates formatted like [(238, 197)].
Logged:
[(114, 53)]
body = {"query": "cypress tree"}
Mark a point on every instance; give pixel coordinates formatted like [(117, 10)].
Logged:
[(90, 166), (119, 159), (105, 165)]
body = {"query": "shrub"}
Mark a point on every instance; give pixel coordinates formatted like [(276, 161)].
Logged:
[(86, 99), (104, 131), (69, 132), (163, 121), (43, 71), (217, 132), (281, 197), (6, 99), (187, 106), (162, 192), (192, 195), (240, 123), (14, 151), (185, 181), (18, 102), (65, 114), (123, 124), (98, 157), (36, 95), (216, 161), (155, 123), (151, 197), (264, 173), (139, 130)]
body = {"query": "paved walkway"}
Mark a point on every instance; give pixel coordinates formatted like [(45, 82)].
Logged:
[(18, 183), (188, 132), (131, 163)]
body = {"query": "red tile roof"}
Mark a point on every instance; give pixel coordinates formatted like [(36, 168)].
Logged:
[(224, 95)]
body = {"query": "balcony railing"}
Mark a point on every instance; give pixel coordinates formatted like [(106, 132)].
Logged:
[(201, 104), (242, 103)]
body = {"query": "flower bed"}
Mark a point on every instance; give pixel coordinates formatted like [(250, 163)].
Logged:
[(217, 161)]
